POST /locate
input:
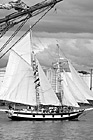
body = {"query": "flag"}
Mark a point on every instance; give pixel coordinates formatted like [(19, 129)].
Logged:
[(36, 76), (35, 70)]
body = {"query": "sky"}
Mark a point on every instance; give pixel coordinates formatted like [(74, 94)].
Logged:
[(69, 24)]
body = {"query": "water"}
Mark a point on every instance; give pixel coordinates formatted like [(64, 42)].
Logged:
[(48, 130)]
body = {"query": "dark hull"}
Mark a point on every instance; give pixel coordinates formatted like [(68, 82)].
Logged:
[(19, 116)]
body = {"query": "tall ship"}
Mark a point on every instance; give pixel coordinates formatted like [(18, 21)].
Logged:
[(25, 83)]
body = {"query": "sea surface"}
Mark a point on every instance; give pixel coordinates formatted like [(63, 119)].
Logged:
[(47, 130)]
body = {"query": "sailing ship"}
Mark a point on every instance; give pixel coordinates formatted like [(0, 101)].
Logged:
[(26, 83)]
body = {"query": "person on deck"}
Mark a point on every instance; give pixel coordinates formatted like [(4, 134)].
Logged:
[(10, 107)]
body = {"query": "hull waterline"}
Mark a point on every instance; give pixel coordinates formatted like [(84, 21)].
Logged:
[(22, 115)]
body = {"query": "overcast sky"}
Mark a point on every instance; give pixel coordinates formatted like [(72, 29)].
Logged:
[(69, 24)]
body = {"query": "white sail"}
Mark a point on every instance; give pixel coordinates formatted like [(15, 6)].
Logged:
[(19, 81), (75, 90), (47, 95), (67, 97), (80, 83), (18, 84), (23, 48)]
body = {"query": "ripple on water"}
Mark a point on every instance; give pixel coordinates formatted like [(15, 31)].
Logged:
[(48, 130)]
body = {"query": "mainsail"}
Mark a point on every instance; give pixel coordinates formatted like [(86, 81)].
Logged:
[(19, 84), (80, 83)]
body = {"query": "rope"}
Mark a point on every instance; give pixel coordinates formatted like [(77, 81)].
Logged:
[(11, 37), (25, 33), (10, 25), (5, 27)]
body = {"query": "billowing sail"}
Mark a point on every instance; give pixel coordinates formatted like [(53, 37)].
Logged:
[(18, 84), (80, 83), (67, 97), (19, 81), (47, 95), (23, 48), (75, 90)]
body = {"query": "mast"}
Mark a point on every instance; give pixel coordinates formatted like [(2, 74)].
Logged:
[(60, 88), (35, 71), (58, 69), (54, 79)]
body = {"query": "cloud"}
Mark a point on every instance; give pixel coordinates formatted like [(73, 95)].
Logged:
[(62, 35), (77, 50), (84, 5), (71, 16), (77, 47), (71, 26)]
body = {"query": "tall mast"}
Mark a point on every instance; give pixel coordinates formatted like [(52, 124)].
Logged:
[(35, 71), (60, 88), (31, 48)]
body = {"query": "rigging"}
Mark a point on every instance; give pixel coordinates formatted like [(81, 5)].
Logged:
[(7, 42), (22, 16), (15, 18)]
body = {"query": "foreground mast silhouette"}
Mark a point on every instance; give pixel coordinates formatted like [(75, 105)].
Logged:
[(23, 12)]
